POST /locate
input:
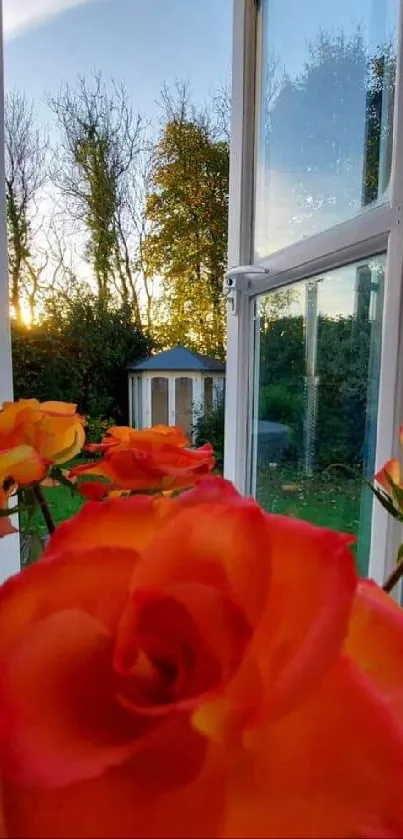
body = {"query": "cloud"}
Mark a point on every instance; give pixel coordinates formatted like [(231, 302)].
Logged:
[(20, 15)]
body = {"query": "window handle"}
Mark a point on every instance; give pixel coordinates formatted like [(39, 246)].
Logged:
[(237, 281)]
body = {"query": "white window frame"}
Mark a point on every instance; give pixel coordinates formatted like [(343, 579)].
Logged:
[(10, 545), (377, 230)]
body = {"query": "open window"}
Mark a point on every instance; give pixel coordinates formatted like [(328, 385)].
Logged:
[(314, 372)]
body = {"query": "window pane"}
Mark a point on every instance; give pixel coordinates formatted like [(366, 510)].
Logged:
[(208, 394), (139, 414), (317, 356), (325, 112), (159, 401), (183, 403)]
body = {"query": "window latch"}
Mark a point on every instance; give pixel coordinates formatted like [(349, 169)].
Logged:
[(239, 280)]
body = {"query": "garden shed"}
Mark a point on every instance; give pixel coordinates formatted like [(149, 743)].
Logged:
[(174, 387)]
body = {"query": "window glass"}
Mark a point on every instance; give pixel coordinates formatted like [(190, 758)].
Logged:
[(325, 114), (159, 401), (208, 394), (183, 403), (317, 358)]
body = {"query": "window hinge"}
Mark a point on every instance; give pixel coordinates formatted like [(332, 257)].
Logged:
[(239, 281)]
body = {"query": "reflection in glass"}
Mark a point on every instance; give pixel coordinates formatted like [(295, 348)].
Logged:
[(208, 394), (137, 402), (183, 403), (159, 401), (317, 356), (325, 115)]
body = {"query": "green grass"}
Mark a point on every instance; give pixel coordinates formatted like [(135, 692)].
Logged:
[(62, 503), (329, 500), (332, 499)]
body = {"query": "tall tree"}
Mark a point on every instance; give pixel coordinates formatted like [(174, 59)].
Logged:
[(100, 141), (25, 176), (187, 210)]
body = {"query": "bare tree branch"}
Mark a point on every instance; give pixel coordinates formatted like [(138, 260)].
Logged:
[(25, 176)]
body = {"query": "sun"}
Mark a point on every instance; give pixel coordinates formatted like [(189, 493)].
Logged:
[(26, 315)]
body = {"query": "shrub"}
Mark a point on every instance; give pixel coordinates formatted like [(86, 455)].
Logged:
[(209, 428), (78, 353), (97, 428)]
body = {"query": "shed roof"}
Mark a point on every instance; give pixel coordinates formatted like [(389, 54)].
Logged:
[(179, 358)]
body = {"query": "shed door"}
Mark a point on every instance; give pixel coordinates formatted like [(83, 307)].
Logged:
[(183, 403), (159, 400)]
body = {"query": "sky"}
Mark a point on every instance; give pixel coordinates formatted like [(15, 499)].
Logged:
[(143, 43), (146, 43)]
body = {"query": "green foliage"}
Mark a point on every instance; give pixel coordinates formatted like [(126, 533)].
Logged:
[(78, 353), (209, 428), (343, 354), (97, 428)]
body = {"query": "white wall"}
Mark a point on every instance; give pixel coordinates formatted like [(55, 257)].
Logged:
[(9, 545)]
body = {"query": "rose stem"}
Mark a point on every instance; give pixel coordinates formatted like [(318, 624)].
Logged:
[(44, 509), (394, 577)]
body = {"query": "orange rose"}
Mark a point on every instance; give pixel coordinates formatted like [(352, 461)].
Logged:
[(123, 436), (19, 466), (143, 460), (5, 522), (390, 479), (390, 475), (53, 429), (195, 667)]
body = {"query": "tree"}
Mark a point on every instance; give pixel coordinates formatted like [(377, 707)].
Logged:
[(78, 353), (187, 210), (101, 139), (25, 176)]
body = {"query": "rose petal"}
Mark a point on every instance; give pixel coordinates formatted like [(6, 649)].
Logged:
[(95, 581), (23, 465), (67, 409), (375, 641), (150, 467), (123, 522), (192, 638), (6, 527), (173, 789), (224, 545), (158, 435), (313, 585), (391, 469), (331, 768), (213, 488), (59, 719), (94, 490), (5, 523), (8, 417)]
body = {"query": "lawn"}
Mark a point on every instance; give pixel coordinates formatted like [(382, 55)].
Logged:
[(62, 505), (329, 500)]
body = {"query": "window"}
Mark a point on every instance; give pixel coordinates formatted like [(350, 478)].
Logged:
[(314, 387), (317, 359), (159, 400), (137, 401), (325, 115), (183, 403), (208, 394)]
